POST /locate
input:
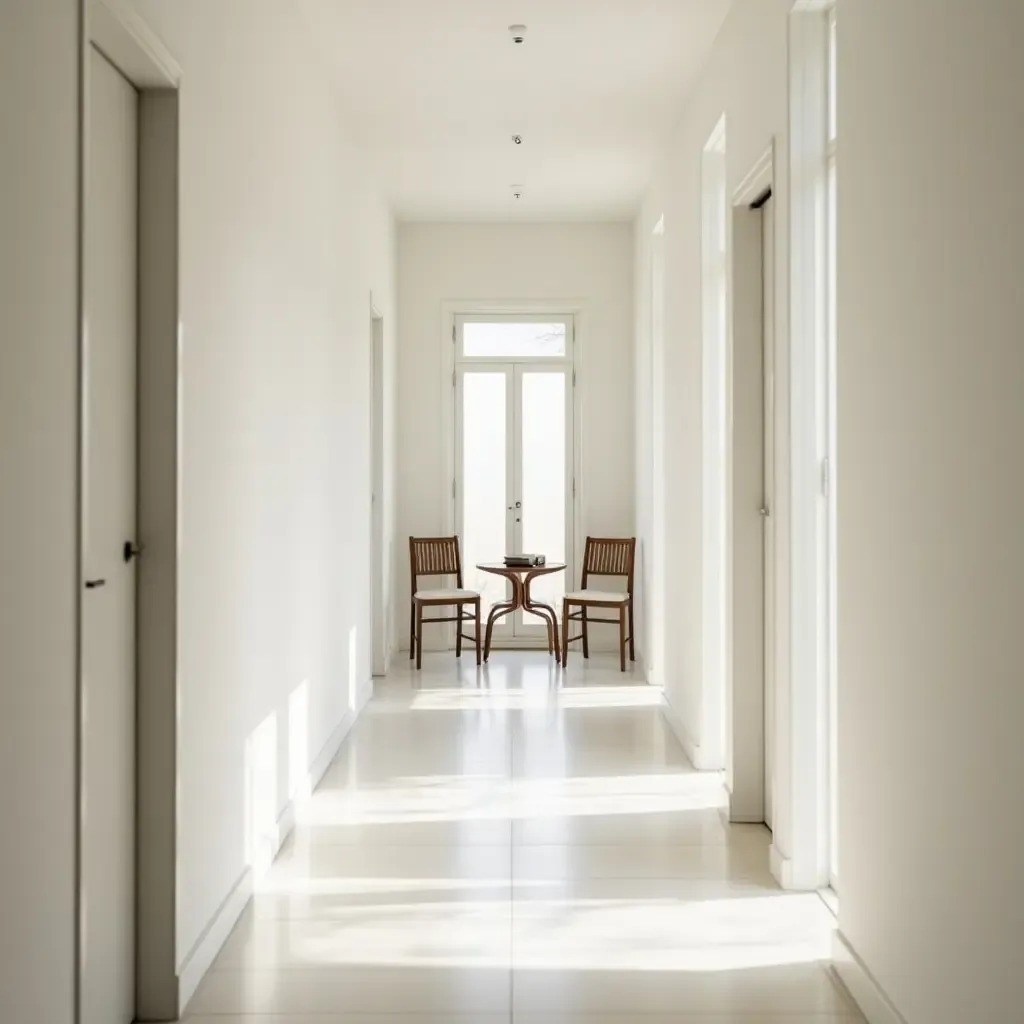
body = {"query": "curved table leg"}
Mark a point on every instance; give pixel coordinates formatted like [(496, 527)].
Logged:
[(545, 612), (499, 610)]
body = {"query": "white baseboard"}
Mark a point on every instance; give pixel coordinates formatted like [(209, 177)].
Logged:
[(853, 975), (740, 817), (285, 827), (330, 749), (204, 952), (781, 867), (794, 875), (690, 746)]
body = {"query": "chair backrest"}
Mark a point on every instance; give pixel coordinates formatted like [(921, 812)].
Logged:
[(435, 556), (610, 556)]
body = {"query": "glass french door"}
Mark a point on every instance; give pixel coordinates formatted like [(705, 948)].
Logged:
[(514, 468)]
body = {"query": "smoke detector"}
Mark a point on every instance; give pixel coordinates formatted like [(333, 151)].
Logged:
[(518, 33)]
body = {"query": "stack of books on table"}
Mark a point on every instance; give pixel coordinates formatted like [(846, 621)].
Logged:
[(525, 561)]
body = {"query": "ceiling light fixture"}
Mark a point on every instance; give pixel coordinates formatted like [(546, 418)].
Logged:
[(517, 191), (517, 139), (518, 33)]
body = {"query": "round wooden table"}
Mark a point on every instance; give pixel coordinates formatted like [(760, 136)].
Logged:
[(521, 576)]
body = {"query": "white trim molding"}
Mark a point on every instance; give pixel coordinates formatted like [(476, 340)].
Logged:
[(690, 746), (781, 867), (757, 180), (330, 749), (200, 958), (861, 985), (117, 29), (801, 762), (202, 955), (452, 308)]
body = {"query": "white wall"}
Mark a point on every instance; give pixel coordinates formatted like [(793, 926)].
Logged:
[(38, 525), (931, 486), (746, 79), (282, 242), (448, 262)]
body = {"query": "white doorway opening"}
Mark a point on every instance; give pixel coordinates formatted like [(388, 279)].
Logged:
[(514, 480)]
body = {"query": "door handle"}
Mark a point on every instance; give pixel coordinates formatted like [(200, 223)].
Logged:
[(130, 550), (764, 512), (95, 584)]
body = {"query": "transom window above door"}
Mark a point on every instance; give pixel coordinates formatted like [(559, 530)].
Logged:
[(513, 337)]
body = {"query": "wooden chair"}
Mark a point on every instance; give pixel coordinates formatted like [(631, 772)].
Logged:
[(602, 557), (439, 556)]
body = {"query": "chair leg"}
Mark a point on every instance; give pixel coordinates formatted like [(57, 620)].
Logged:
[(622, 639), (565, 632), (478, 631), (632, 645), (419, 635), (458, 631), (586, 635), (412, 630)]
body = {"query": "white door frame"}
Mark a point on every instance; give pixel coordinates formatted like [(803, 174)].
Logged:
[(800, 854), (450, 309), (511, 630), (746, 644), (379, 592), (122, 36), (768, 231)]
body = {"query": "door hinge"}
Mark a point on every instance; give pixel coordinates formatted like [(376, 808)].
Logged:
[(826, 482), (453, 378), (453, 334), (453, 488), (574, 378), (574, 487)]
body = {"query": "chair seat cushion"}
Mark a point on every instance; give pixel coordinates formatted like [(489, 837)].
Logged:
[(446, 595), (597, 596)]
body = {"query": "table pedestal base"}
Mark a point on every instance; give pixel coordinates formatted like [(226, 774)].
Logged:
[(521, 599)]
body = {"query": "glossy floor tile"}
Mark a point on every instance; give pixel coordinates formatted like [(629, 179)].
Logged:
[(519, 843)]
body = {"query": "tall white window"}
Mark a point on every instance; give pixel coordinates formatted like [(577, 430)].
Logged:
[(830, 420)]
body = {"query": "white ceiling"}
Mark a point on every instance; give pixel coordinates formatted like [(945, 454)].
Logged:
[(436, 88)]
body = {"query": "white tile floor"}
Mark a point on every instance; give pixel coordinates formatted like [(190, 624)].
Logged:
[(521, 845)]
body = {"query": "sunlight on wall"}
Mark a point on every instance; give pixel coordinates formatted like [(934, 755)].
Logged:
[(298, 742), (353, 667), (261, 795)]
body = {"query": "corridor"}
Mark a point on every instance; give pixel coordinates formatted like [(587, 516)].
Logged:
[(525, 847)]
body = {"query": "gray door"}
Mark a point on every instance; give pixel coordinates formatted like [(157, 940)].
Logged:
[(109, 507)]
